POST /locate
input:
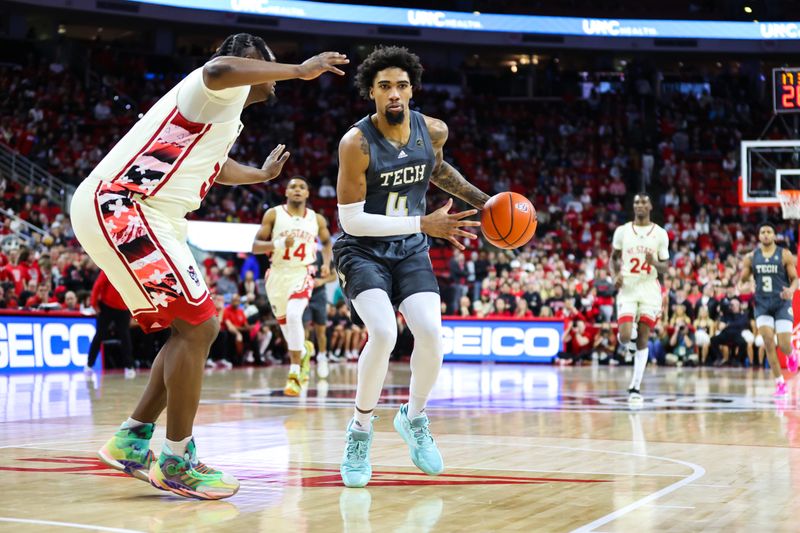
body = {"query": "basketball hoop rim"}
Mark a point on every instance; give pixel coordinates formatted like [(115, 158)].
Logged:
[(790, 203)]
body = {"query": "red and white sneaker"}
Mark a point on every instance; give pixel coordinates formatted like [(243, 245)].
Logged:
[(793, 361)]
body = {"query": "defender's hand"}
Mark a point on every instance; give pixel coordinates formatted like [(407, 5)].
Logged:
[(325, 271), (649, 258), (322, 63), (786, 293), (274, 164), (442, 224)]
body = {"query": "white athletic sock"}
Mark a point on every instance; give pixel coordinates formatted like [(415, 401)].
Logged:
[(176, 447), (639, 362), (131, 423), (779, 379), (363, 421), (294, 369)]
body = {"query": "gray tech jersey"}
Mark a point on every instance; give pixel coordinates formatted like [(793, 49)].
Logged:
[(770, 275), (397, 178)]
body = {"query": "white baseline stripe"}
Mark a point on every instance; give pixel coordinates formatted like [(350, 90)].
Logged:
[(67, 524)]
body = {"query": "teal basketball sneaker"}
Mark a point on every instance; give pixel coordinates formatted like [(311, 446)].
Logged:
[(356, 469), (420, 442)]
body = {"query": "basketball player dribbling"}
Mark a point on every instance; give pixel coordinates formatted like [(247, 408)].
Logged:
[(640, 253), (129, 217), (385, 163), (775, 272), (289, 234)]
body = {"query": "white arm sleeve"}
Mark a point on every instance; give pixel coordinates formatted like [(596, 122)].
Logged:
[(198, 103), (357, 223)]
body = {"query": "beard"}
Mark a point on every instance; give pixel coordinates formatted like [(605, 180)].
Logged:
[(395, 118)]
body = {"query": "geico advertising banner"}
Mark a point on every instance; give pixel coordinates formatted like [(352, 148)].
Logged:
[(43, 343), (518, 341)]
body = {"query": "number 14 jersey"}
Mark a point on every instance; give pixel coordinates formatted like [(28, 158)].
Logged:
[(634, 242), (304, 229)]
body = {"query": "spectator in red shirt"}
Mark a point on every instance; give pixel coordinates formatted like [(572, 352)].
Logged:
[(71, 302), (42, 296), (522, 310), (500, 311), (235, 322), (7, 302), (15, 271), (112, 315)]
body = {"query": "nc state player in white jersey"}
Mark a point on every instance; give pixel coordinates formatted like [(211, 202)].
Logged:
[(129, 217), (641, 252), (289, 234)]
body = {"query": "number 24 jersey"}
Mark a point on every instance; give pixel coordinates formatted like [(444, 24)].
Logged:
[(634, 242)]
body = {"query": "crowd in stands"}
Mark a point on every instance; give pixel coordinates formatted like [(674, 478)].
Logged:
[(579, 161)]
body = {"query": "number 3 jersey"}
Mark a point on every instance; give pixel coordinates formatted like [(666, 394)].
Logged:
[(770, 275), (397, 178), (634, 242), (169, 161)]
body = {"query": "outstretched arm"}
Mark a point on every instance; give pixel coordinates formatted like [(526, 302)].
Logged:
[(234, 173), (444, 175), (230, 71)]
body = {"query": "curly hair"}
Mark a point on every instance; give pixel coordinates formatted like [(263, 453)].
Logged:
[(383, 57)]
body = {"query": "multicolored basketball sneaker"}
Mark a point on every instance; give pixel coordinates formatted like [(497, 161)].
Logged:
[(186, 476), (293, 386), (417, 434), (305, 362), (129, 450)]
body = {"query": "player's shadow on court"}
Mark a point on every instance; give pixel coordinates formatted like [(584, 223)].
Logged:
[(355, 509), (180, 512)]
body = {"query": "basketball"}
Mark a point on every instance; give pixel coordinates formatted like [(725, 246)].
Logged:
[(508, 220)]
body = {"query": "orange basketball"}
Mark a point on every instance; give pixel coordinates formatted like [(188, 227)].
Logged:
[(508, 220)]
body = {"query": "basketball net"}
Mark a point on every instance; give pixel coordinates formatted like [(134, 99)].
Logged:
[(790, 203)]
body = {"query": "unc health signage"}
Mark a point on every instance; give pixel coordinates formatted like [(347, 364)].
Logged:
[(454, 20), (43, 342), (513, 341)]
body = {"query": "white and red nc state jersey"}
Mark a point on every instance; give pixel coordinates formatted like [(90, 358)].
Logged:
[(304, 229), (634, 242), (169, 159)]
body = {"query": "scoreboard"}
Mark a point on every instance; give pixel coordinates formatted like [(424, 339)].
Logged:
[(786, 90)]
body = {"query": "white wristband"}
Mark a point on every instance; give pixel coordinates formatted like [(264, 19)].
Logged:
[(357, 223), (279, 243)]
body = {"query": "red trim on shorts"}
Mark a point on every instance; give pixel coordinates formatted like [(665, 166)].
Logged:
[(121, 257), (147, 144), (183, 156), (650, 321), (624, 319), (186, 294), (305, 291), (281, 320), (180, 309)]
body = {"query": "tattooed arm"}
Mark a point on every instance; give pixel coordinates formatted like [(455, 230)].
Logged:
[(444, 175)]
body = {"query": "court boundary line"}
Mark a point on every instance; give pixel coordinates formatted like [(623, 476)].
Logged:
[(697, 472), (74, 525)]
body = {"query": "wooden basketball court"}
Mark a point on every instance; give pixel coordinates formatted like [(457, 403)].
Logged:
[(526, 448)]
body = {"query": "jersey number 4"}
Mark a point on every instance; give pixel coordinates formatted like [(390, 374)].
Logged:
[(300, 252), (396, 205), (639, 267)]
